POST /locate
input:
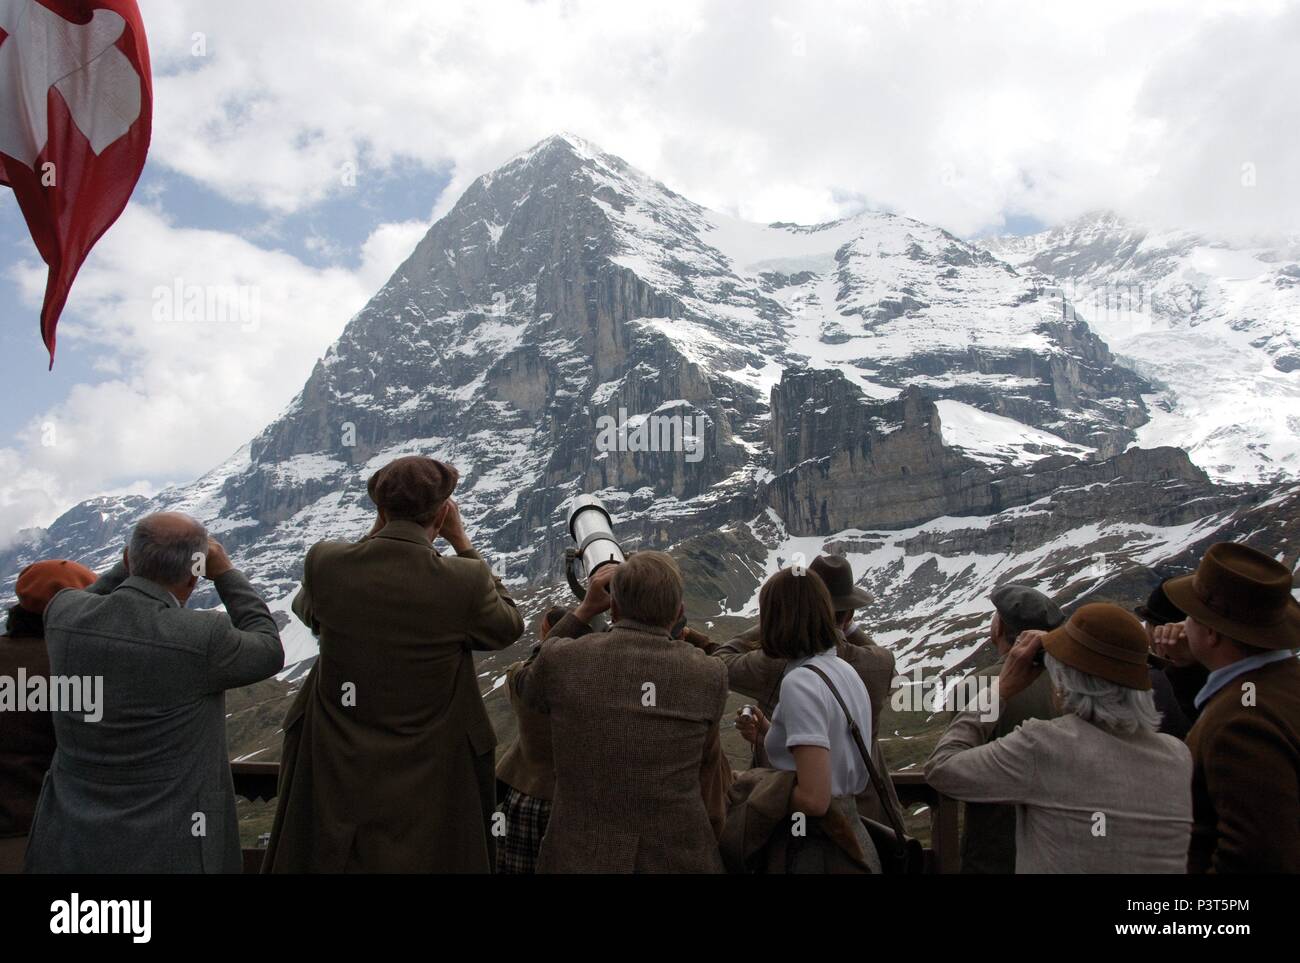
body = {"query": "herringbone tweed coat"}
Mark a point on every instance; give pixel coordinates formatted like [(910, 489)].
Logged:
[(632, 712)]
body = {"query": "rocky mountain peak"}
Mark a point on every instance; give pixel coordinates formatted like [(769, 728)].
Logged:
[(733, 391)]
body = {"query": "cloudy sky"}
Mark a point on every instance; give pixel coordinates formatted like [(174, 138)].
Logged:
[(982, 117)]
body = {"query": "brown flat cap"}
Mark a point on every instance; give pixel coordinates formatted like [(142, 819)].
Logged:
[(412, 488), (1242, 593), (837, 573), (1103, 640)]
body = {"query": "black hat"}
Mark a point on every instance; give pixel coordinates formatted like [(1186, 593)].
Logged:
[(1158, 610), (1022, 607), (836, 572)]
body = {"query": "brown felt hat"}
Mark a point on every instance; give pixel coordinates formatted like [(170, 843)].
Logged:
[(1103, 640), (40, 581), (1242, 593), (837, 573), (412, 487)]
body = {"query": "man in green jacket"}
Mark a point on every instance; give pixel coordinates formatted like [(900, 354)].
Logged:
[(388, 750)]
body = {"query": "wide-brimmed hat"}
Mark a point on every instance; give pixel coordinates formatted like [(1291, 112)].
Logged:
[(41, 581), (1157, 609), (1242, 593), (1102, 639), (837, 573), (1023, 607)]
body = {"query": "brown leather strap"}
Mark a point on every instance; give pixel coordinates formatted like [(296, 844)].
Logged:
[(894, 822)]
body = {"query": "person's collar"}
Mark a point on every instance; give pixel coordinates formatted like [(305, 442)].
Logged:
[(405, 530), (152, 589), (635, 626), (1221, 676)]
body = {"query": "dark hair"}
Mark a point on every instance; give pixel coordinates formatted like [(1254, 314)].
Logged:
[(549, 620), (795, 616), (22, 622)]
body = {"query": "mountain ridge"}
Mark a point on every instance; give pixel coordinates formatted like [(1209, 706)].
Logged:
[(870, 381)]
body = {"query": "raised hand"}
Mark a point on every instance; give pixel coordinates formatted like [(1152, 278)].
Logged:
[(453, 529), (752, 724), (1018, 671), (1170, 643), (597, 599), (217, 562)]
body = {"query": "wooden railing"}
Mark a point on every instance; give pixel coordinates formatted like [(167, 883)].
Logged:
[(259, 781), (943, 855)]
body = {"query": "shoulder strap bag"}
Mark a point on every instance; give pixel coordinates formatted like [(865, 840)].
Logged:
[(900, 854)]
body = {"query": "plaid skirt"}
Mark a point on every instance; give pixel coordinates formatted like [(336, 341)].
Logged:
[(525, 824)]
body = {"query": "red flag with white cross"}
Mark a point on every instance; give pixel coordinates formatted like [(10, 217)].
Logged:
[(76, 113)]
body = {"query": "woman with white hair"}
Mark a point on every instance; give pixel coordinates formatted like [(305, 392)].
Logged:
[(1096, 790)]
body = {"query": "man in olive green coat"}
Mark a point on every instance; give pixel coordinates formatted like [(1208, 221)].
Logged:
[(388, 750), (988, 839)]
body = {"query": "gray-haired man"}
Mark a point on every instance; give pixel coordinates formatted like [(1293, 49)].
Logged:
[(147, 787)]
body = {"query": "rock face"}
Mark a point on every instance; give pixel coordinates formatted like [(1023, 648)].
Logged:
[(841, 461), (729, 390)]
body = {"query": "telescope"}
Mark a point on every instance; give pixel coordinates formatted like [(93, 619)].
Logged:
[(591, 528)]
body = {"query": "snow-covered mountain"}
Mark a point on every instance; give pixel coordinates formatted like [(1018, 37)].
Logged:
[(874, 386), (1213, 324)]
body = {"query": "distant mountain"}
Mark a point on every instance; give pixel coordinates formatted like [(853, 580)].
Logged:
[(873, 386), (1212, 323)]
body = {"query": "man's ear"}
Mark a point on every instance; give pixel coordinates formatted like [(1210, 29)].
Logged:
[(441, 516), (126, 559), (192, 581), (681, 613)]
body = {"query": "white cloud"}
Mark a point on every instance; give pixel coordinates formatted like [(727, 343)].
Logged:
[(953, 112), (186, 382), (957, 113)]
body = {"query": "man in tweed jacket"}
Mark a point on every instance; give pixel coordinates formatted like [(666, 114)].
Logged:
[(632, 712)]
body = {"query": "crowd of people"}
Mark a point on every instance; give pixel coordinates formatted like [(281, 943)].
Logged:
[(1161, 740)]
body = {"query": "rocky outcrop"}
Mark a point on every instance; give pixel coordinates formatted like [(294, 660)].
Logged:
[(842, 461)]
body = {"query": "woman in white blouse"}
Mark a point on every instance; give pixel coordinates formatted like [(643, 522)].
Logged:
[(808, 732)]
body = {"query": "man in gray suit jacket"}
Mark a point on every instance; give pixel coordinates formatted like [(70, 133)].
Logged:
[(147, 787)]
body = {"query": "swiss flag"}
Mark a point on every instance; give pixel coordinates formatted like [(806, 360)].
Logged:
[(76, 112)]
